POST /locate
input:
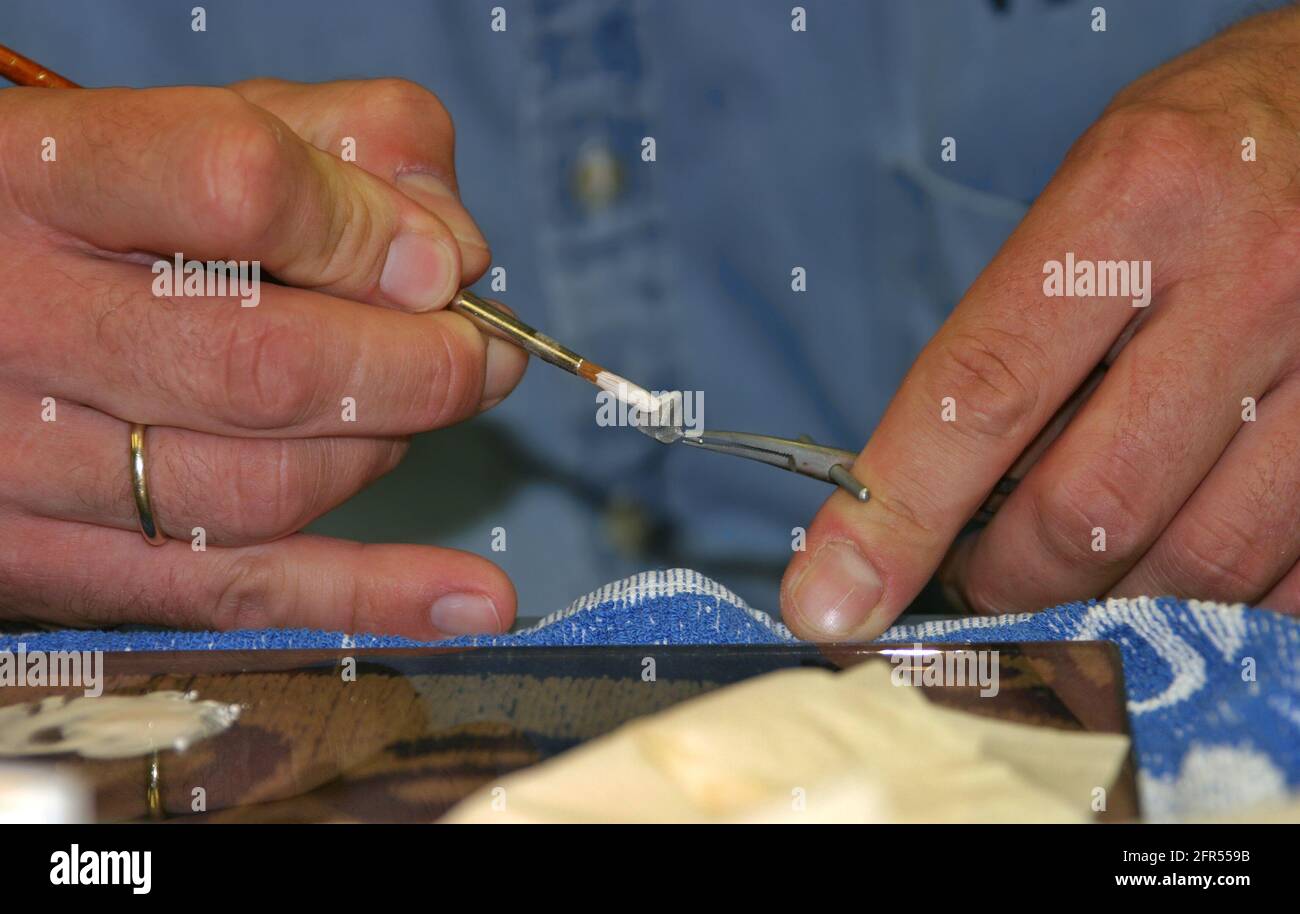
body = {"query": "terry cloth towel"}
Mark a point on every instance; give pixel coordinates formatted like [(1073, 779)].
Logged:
[(1213, 690)]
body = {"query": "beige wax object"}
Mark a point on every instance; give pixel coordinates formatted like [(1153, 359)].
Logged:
[(111, 726), (812, 746)]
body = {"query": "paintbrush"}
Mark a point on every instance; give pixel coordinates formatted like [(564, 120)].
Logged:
[(24, 71), (646, 407)]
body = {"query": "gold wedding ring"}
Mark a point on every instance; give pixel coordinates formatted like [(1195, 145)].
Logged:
[(153, 788), (140, 489)]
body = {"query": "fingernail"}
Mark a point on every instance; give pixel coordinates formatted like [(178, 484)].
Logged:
[(420, 272), (465, 614), (837, 592), (501, 371), (440, 199)]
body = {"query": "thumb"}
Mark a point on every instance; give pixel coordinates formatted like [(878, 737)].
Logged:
[(337, 229), (393, 129)]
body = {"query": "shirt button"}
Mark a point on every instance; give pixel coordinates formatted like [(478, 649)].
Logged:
[(627, 527), (598, 176)]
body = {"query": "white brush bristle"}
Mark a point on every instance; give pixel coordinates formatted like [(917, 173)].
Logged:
[(660, 416)]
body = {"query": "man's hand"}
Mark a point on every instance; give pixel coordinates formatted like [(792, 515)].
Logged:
[(251, 434), (1180, 474)]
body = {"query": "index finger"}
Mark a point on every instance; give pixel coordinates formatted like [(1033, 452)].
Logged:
[(205, 173), (978, 394)]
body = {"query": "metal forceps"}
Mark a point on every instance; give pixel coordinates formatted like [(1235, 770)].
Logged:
[(797, 455), (832, 464)]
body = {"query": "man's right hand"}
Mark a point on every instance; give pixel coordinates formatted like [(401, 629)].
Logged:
[(251, 432)]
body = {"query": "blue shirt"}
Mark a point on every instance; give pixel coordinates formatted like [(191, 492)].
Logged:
[(775, 149)]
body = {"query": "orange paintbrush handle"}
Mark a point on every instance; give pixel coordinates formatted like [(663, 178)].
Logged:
[(26, 72)]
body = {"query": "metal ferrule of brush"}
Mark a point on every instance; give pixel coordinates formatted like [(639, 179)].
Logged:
[(494, 319)]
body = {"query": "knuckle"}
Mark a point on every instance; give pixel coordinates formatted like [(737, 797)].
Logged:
[(270, 375), (990, 375), (400, 99), (1103, 496), (903, 510), (1213, 562), (1142, 148), (455, 384), (242, 172), (353, 240), (267, 496), (254, 594), (902, 516)]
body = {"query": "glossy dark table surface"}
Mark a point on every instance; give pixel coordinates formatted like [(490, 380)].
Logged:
[(402, 735)]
